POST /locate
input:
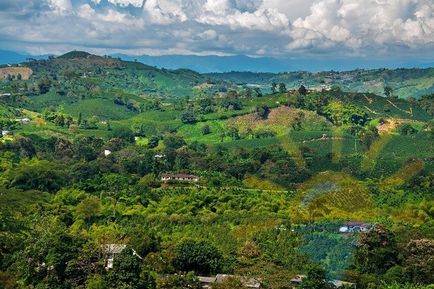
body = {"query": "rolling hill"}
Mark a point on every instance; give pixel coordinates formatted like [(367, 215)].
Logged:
[(405, 83)]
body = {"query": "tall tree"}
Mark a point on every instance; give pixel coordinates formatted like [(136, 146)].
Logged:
[(377, 251)]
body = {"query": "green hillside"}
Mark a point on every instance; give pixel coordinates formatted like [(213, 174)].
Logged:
[(262, 183), (404, 82)]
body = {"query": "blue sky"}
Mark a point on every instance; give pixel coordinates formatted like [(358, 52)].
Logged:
[(321, 29)]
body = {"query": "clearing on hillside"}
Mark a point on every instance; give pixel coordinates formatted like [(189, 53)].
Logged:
[(25, 72)]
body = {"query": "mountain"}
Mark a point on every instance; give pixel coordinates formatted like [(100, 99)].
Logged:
[(212, 63), (240, 63), (10, 57), (103, 86)]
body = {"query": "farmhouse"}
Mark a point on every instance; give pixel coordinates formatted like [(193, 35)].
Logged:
[(111, 251), (179, 178), (250, 283), (354, 227), (24, 120)]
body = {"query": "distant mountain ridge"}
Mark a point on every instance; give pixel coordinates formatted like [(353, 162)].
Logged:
[(188, 73), (242, 63), (11, 57), (213, 63)]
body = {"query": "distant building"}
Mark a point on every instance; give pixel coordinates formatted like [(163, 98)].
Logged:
[(344, 284), (6, 94), (111, 251), (24, 120), (5, 132), (354, 227), (107, 152), (179, 178), (248, 282)]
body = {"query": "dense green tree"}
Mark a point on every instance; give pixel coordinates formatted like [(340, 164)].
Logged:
[(37, 175), (188, 117), (44, 84), (368, 137), (153, 142), (406, 129), (206, 130), (128, 272), (258, 92), (87, 148), (388, 91), (419, 261), (282, 87), (46, 255), (302, 90), (315, 279), (173, 141), (427, 103), (89, 208), (273, 87), (198, 256), (123, 133), (263, 111), (377, 251), (232, 104)]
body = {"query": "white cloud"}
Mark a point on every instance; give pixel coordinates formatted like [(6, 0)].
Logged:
[(124, 3), (165, 11), (254, 27), (370, 23), (60, 6)]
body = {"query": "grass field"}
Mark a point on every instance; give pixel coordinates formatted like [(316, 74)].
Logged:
[(102, 108)]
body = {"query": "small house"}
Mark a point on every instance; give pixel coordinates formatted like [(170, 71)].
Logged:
[(179, 178), (5, 132), (111, 251), (107, 153), (354, 227), (343, 284), (24, 120)]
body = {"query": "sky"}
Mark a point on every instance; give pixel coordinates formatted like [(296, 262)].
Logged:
[(290, 29)]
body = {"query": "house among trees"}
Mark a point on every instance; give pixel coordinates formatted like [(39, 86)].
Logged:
[(24, 120), (111, 251), (179, 178), (354, 227), (207, 282)]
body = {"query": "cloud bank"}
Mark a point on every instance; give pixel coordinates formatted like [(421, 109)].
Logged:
[(283, 28)]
